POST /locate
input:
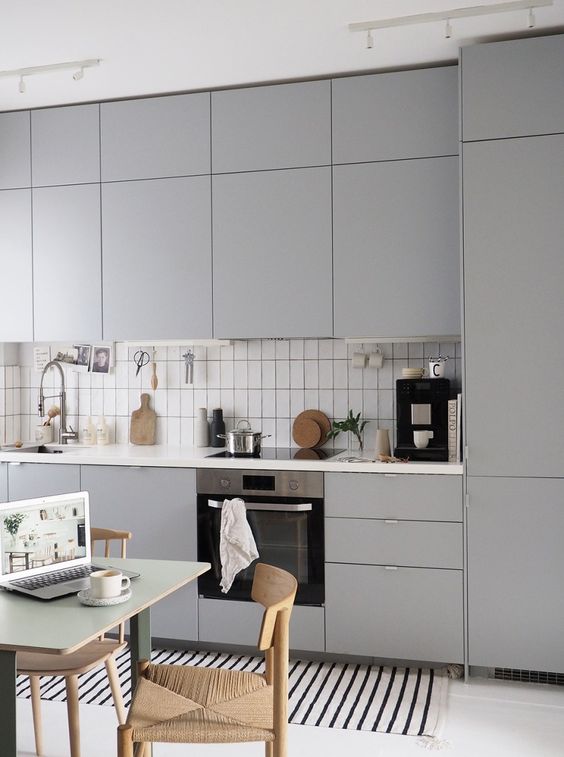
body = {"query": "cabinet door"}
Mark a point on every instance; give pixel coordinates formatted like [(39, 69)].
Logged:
[(514, 308), (30, 480), (67, 262), (65, 145), (155, 137), (157, 257), (515, 568), (158, 505), (272, 254), (397, 248), (404, 114), (16, 304), (513, 88), (3, 482), (280, 126), (399, 613), (15, 154)]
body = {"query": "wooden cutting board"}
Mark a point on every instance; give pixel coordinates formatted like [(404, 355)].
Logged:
[(306, 432), (143, 423), (322, 421)]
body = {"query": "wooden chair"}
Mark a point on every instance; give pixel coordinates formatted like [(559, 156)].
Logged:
[(70, 666), (192, 705)]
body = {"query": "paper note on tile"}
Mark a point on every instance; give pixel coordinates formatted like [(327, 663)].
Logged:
[(41, 356)]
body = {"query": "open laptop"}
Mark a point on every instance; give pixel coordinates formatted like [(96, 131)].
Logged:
[(45, 546)]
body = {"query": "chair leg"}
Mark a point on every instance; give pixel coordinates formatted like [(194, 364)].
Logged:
[(71, 683), (35, 682), (113, 677), (125, 744), (269, 749)]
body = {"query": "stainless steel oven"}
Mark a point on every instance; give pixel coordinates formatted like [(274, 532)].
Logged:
[(285, 513)]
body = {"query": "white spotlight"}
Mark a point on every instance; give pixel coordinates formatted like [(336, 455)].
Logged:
[(532, 20), (369, 40), (21, 86), (78, 74), (448, 29)]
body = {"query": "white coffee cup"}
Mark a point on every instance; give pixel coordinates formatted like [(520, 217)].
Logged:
[(437, 368), (421, 438), (105, 584)]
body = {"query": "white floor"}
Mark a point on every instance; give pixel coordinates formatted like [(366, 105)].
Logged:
[(484, 719)]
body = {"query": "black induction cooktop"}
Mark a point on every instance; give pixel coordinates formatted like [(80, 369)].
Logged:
[(283, 453)]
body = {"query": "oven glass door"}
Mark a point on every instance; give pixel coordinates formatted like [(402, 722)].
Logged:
[(288, 533)]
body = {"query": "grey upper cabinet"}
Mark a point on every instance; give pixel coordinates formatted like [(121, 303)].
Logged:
[(272, 254), (16, 300), (280, 126), (158, 505), (65, 145), (157, 254), (155, 137), (30, 480), (3, 482), (513, 88), (15, 155), (514, 308), (515, 568), (396, 248), (67, 263), (405, 114)]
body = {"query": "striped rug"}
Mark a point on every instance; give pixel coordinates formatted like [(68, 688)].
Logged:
[(407, 701)]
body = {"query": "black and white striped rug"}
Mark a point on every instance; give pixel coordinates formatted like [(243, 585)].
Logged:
[(409, 701)]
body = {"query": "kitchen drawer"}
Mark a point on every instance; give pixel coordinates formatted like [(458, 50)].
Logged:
[(30, 480), (228, 622), (401, 496), (393, 542), (404, 613)]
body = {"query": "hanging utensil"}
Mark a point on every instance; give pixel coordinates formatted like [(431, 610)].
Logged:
[(141, 358), (154, 379), (189, 361)]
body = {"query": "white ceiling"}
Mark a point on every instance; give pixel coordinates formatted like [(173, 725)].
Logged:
[(155, 46)]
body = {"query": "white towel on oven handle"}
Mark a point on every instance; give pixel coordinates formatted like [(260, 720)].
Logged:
[(237, 547)]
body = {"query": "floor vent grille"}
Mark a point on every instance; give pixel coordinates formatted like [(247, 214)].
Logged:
[(528, 676)]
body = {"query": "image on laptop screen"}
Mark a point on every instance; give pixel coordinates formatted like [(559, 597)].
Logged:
[(43, 535)]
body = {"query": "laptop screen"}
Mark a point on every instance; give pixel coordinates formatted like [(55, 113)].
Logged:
[(44, 534)]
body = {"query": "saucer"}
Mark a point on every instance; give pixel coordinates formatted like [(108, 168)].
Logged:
[(85, 598)]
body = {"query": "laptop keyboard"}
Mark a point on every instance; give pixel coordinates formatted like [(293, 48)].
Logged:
[(57, 577)]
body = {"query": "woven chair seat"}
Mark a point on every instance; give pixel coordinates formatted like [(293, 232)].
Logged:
[(191, 705)]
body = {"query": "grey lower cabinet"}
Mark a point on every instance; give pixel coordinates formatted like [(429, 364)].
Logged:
[(158, 505), (16, 296), (397, 115), (515, 568), (513, 88), (513, 274), (396, 248), (229, 622), (30, 480), (272, 258), (15, 154), (268, 127), (394, 566), (156, 239), (155, 137), (65, 145), (3, 482), (67, 263)]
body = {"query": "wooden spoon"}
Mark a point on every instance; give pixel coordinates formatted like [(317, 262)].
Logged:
[(154, 379)]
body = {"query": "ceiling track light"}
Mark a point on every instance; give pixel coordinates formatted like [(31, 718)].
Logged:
[(77, 65), (369, 40), (446, 16)]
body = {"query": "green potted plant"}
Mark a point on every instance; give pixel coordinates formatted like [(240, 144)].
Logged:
[(351, 423), (12, 524)]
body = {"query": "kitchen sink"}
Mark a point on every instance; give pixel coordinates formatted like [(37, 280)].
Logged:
[(42, 449)]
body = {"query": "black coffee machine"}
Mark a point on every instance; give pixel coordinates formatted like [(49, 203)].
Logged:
[(422, 405)]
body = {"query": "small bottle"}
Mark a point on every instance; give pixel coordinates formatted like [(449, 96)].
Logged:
[(88, 432), (217, 427), (101, 431), (201, 428)]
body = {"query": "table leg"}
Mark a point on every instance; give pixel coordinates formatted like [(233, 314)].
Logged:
[(140, 645), (8, 703)]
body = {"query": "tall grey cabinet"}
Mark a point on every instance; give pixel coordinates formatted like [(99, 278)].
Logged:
[(3, 482), (16, 298), (513, 195)]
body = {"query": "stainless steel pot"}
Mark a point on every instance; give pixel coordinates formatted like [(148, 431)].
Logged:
[(243, 441)]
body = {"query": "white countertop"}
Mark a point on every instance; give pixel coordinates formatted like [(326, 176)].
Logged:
[(161, 455)]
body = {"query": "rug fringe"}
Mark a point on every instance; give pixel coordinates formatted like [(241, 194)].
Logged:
[(432, 742), (454, 671)]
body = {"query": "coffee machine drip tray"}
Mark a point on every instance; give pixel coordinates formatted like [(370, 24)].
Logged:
[(429, 454)]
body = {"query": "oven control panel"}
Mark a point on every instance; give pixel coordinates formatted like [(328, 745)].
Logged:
[(277, 483)]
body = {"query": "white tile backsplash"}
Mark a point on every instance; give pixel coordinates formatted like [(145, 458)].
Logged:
[(269, 381)]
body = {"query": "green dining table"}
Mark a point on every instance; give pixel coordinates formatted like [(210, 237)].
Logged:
[(63, 625)]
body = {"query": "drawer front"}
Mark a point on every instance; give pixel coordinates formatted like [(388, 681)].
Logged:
[(405, 614), (30, 480), (402, 496), (393, 542)]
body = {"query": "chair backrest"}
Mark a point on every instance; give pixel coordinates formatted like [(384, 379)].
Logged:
[(275, 589), (108, 535)]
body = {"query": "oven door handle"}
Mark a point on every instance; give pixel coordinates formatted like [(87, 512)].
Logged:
[(301, 507)]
